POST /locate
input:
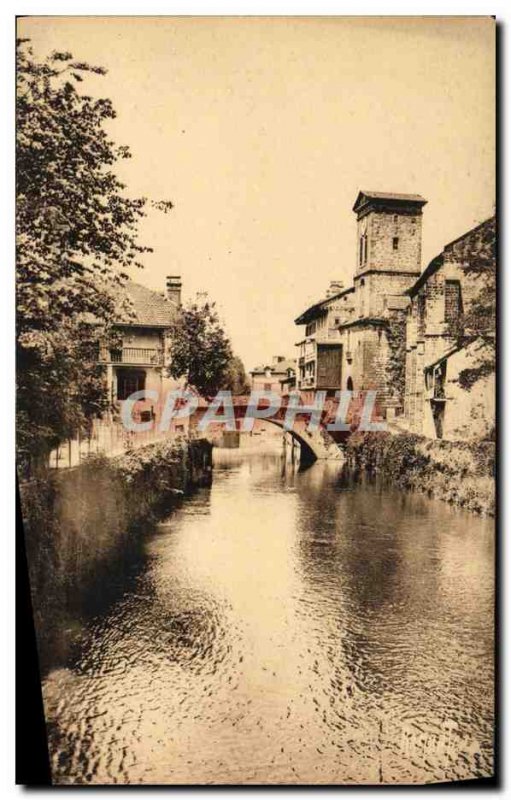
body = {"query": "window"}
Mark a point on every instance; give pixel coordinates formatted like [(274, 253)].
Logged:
[(453, 304), (267, 387), (421, 316), (362, 249), (129, 381), (395, 242)]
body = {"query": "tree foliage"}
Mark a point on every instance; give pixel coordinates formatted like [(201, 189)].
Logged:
[(76, 236), (201, 351), (479, 320), (235, 377)]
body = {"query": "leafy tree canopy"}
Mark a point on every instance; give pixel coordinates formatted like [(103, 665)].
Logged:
[(201, 351), (76, 236), (235, 377)]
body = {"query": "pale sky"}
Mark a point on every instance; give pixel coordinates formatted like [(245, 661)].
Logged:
[(262, 131)]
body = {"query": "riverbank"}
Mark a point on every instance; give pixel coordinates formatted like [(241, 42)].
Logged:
[(83, 528), (460, 473)]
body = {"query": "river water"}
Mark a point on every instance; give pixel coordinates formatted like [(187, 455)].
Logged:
[(288, 627)]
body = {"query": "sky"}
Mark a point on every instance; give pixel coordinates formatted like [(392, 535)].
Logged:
[(262, 131)]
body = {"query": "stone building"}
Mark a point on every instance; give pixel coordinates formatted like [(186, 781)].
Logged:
[(320, 350), (355, 338), (397, 331), (269, 377), (438, 348)]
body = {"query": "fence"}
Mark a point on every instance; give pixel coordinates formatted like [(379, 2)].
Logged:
[(106, 438)]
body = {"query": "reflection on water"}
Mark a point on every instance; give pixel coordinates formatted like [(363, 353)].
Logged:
[(289, 628)]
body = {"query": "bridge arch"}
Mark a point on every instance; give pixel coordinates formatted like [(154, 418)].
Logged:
[(314, 445)]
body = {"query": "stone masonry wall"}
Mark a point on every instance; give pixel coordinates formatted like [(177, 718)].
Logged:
[(383, 227), (429, 341)]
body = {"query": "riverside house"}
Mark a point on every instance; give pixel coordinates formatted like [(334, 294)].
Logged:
[(354, 337), (438, 349), (397, 330), (271, 377), (137, 363)]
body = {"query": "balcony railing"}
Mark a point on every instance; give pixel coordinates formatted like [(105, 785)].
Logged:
[(147, 356)]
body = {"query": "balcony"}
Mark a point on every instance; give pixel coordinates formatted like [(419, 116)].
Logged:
[(139, 356)]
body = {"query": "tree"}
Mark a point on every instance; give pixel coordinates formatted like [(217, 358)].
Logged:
[(479, 322), (76, 236), (200, 349), (235, 377)]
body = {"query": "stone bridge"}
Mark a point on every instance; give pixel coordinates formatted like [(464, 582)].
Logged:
[(318, 443)]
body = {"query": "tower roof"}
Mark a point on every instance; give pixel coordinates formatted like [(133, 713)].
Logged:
[(388, 198)]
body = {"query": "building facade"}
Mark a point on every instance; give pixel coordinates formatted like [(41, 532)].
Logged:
[(354, 338), (138, 362), (271, 377), (400, 332), (320, 351), (438, 348)]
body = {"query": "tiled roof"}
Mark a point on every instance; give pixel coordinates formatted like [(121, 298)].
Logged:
[(416, 198), (311, 311), (277, 369), (150, 308), (393, 197)]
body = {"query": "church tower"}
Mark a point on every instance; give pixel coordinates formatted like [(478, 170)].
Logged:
[(389, 236)]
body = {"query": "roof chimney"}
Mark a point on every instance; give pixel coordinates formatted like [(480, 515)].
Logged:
[(174, 289), (334, 288)]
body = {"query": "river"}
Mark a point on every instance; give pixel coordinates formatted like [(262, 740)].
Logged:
[(288, 627)]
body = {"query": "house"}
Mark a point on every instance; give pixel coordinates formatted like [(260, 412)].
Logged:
[(354, 337), (320, 351), (139, 361), (268, 377), (438, 349)]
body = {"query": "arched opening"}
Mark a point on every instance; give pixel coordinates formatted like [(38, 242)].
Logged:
[(349, 384), (307, 454)]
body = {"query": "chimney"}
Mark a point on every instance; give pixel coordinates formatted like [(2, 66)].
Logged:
[(334, 288), (174, 289), (277, 359)]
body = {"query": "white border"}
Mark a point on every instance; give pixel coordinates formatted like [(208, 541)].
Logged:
[(193, 7)]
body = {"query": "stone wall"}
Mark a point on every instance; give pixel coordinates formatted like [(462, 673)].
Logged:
[(383, 228), (430, 332), (374, 358)]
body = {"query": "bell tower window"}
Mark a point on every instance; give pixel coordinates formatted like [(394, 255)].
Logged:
[(362, 253)]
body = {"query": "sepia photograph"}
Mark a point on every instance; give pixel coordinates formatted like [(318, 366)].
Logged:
[(256, 336)]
